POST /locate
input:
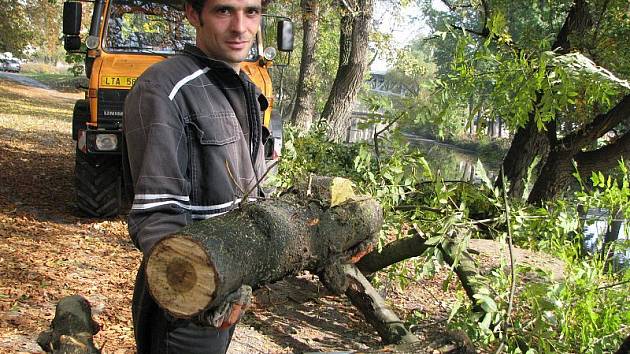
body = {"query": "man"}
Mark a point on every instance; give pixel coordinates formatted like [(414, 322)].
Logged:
[(193, 136)]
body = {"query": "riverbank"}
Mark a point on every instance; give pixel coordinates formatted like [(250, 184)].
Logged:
[(493, 150)]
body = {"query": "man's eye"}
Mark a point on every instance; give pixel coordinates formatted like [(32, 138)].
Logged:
[(223, 11), (253, 12)]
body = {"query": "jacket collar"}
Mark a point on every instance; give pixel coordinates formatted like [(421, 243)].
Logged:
[(197, 53), (194, 51)]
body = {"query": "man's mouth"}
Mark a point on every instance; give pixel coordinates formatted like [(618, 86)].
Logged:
[(237, 45)]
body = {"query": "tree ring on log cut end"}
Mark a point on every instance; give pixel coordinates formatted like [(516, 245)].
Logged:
[(181, 278), (180, 274)]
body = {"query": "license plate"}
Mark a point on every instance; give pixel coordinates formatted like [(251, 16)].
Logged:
[(118, 81)]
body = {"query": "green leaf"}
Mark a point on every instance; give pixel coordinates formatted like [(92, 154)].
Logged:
[(485, 323), (481, 172), (486, 302), (456, 307), (432, 241)]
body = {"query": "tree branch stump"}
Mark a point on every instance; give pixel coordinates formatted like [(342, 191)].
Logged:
[(72, 328)]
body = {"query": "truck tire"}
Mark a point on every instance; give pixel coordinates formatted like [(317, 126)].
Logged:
[(98, 184), (80, 116)]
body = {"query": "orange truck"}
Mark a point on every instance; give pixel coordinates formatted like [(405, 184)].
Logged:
[(125, 37)]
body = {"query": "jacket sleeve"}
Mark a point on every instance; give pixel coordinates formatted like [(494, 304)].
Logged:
[(158, 158)]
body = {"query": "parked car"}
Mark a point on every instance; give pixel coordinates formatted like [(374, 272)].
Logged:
[(13, 65), (4, 64)]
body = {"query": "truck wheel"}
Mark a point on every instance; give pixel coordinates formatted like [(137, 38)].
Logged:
[(98, 184)]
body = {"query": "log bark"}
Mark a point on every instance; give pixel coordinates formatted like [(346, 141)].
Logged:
[(194, 270), (72, 328)]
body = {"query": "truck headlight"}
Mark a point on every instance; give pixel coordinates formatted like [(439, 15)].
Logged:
[(106, 142), (91, 42), (269, 53)]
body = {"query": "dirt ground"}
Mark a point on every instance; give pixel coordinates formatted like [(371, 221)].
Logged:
[(47, 252)]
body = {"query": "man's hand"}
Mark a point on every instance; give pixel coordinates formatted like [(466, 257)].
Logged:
[(236, 312), (232, 309)]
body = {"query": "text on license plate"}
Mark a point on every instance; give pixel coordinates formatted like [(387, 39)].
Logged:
[(119, 81)]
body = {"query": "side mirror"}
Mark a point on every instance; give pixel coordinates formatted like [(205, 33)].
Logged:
[(71, 18), (72, 43), (285, 36)]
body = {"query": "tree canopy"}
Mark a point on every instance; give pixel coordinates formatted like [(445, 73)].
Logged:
[(15, 34)]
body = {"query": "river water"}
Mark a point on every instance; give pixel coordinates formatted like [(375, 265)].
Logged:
[(451, 162), (456, 164)]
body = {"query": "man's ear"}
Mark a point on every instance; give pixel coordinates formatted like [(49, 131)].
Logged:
[(192, 16)]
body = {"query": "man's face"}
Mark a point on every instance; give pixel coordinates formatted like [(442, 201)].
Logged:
[(226, 29)]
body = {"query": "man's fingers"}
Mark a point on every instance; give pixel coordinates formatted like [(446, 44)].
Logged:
[(234, 316)]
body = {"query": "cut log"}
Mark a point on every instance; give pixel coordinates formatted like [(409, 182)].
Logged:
[(259, 243), (72, 328)]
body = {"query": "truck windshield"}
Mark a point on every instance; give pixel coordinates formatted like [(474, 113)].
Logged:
[(147, 26), (150, 26)]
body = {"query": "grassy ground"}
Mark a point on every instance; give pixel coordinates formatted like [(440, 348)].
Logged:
[(56, 78), (59, 81)]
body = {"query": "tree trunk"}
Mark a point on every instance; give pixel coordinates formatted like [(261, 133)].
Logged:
[(554, 177), (612, 234), (71, 329), (557, 170), (528, 143), (257, 244), (353, 46), (605, 158), (304, 109)]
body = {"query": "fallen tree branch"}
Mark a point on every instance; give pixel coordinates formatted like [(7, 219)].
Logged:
[(512, 271), (364, 297), (409, 247)]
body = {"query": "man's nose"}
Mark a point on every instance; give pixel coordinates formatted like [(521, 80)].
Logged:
[(237, 24)]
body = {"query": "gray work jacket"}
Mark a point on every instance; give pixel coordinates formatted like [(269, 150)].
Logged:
[(188, 156)]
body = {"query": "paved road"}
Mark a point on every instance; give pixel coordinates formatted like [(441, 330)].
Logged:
[(24, 80)]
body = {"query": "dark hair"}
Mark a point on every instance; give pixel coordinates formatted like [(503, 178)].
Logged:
[(197, 5)]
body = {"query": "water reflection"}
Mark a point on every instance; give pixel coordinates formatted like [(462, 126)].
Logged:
[(453, 163), (601, 231)]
